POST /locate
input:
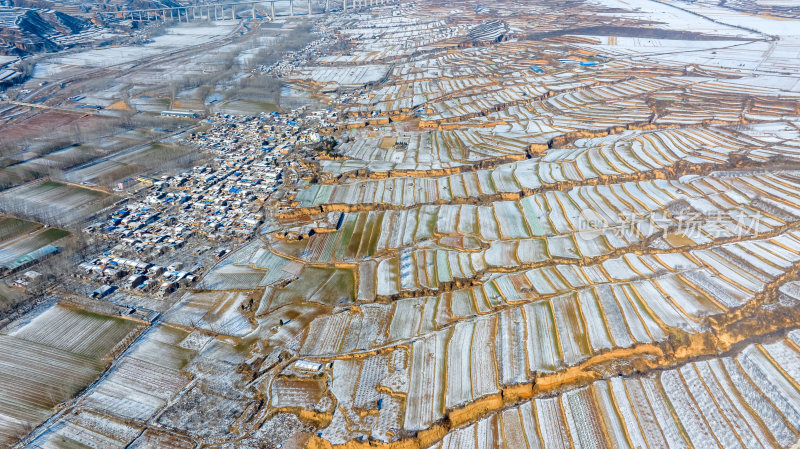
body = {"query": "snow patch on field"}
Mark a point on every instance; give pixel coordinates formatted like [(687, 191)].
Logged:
[(175, 39), (673, 18)]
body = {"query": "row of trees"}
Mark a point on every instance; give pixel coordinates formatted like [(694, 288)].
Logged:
[(236, 76)]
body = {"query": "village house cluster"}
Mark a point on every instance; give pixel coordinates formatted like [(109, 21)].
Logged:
[(133, 274), (202, 209)]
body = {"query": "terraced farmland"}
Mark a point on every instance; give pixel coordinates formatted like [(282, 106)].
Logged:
[(600, 252), (743, 400), (522, 225)]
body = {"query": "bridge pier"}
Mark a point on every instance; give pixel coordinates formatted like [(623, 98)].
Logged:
[(272, 9), (291, 8), (309, 7)]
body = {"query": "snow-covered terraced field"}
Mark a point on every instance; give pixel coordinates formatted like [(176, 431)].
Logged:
[(534, 226), (743, 401), (583, 232)]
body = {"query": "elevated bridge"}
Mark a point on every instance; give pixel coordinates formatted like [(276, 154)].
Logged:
[(269, 9)]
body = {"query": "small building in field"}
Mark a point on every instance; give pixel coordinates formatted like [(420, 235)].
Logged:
[(179, 113)]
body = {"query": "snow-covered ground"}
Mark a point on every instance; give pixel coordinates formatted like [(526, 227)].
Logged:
[(774, 26), (673, 17), (174, 40), (7, 59), (775, 52), (349, 76)]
